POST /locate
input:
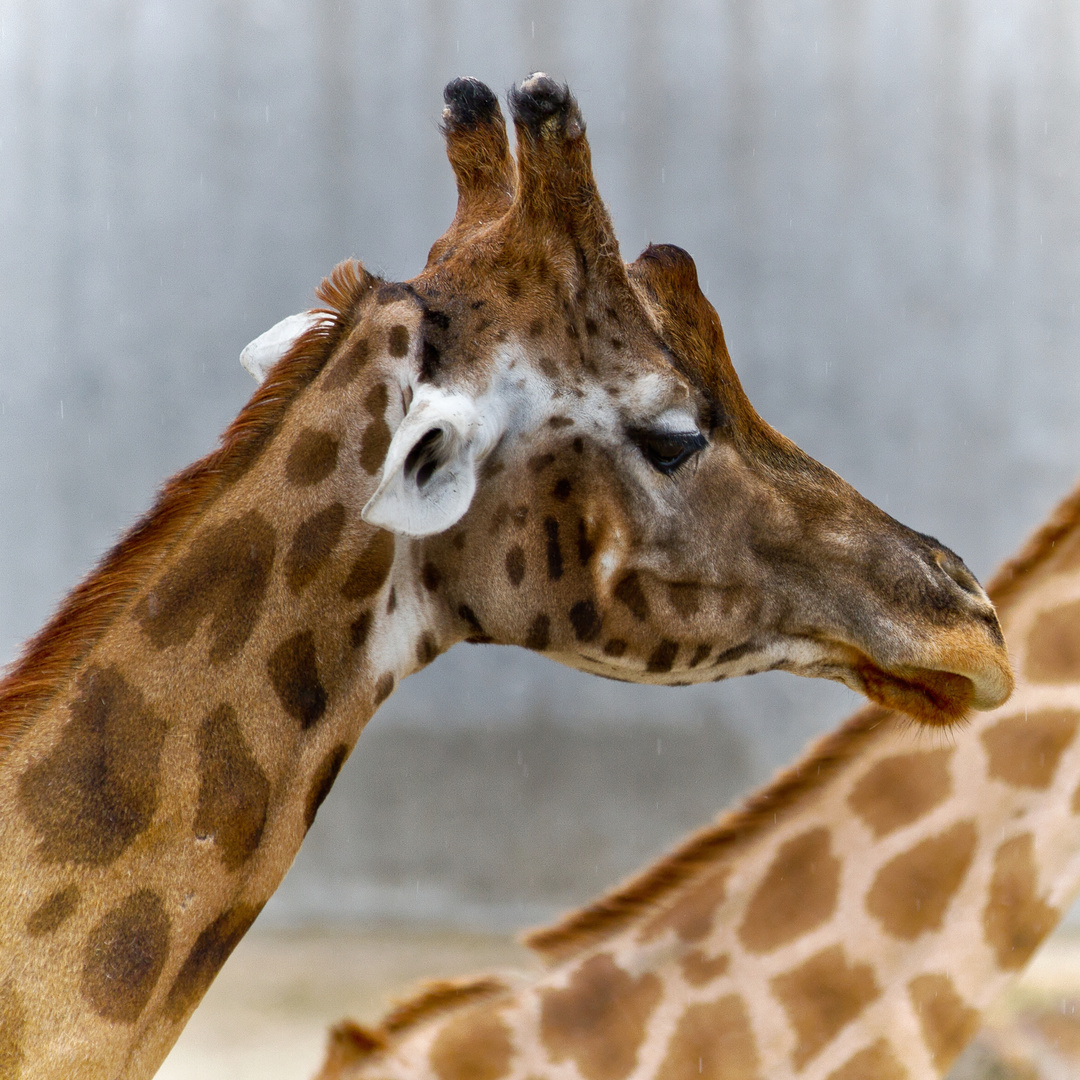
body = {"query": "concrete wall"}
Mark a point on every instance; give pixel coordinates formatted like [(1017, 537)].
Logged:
[(883, 199)]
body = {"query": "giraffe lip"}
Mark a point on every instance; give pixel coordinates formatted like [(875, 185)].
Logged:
[(933, 697)]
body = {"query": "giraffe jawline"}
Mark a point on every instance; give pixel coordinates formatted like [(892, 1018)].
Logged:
[(933, 698)]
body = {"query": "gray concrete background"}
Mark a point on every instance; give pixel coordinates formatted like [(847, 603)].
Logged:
[(883, 199)]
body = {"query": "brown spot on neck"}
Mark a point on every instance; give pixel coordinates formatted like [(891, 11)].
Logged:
[(599, 1020), (124, 957), (294, 675), (313, 456), (902, 788), (713, 1041), (473, 1046), (53, 913), (211, 949), (912, 891), (948, 1022), (798, 892), (630, 594), (1016, 919), (376, 438), (700, 970), (323, 781), (371, 567), (1053, 646), (223, 575), (691, 914), (98, 789), (313, 543), (876, 1062), (234, 792), (821, 997), (1024, 750)]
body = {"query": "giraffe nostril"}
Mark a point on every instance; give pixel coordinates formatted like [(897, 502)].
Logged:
[(954, 569)]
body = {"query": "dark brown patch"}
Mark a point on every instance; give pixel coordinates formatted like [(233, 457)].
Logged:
[(876, 1062), (900, 789), (359, 629), (97, 789), (383, 688), (685, 597), (124, 956), (912, 891), (562, 489), (713, 1041), (467, 613), (585, 620), (578, 444), (629, 593), (1016, 920), (223, 575), (948, 1022), (798, 892), (12, 1029), (376, 437), (560, 422), (536, 328), (539, 462), (616, 647), (539, 635), (599, 1020), (294, 675), (52, 914), (554, 552), (233, 789), (821, 996), (691, 915), (701, 654), (431, 576), (426, 649), (210, 951), (371, 568), (699, 969), (313, 456), (1025, 749), (663, 656), (398, 341), (515, 565), (474, 1045), (313, 544), (349, 366), (391, 601), (585, 547), (323, 781), (1053, 646)]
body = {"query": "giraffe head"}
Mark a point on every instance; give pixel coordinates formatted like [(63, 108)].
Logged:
[(571, 464)]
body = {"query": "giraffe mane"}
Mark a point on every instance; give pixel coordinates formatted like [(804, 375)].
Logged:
[(50, 657)]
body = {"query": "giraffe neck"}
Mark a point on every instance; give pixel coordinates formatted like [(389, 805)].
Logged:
[(852, 921), (151, 803)]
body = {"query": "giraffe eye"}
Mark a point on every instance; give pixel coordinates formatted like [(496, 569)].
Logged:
[(665, 451)]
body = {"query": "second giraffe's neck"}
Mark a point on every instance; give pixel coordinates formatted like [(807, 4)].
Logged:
[(152, 802)]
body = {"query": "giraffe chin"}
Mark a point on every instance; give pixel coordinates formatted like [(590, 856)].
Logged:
[(933, 698)]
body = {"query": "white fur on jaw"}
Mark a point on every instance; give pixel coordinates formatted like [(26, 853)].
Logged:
[(260, 355)]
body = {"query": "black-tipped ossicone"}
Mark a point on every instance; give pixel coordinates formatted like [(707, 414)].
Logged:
[(469, 102), (539, 98)]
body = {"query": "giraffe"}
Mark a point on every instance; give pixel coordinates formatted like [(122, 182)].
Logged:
[(849, 922), (529, 443)]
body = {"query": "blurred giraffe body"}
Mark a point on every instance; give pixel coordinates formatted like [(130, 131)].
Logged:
[(850, 922), (529, 443)]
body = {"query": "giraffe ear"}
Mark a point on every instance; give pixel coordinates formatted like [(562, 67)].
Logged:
[(429, 474), (260, 355)]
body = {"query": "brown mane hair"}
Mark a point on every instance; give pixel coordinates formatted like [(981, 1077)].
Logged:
[(49, 659)]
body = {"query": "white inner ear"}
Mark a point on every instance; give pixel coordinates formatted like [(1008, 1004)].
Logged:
[(260, 355), (429, 475)]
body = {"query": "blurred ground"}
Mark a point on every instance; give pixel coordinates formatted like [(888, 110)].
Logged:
[(267, 1015)]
